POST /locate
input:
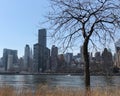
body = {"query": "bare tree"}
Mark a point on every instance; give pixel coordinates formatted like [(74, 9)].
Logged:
[(89, 20)]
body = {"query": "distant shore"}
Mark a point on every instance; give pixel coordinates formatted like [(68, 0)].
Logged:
[(69, 74)]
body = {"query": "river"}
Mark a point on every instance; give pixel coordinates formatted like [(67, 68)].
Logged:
[(32, 81)]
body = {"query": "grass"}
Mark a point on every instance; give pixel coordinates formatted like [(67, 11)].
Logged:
[(46, 91)]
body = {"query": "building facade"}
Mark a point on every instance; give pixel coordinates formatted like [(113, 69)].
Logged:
[(107, 61), (27, 58), (54, 58), (42, 37), (68, 58), (97, 57), (10, 62), (9, 56), (41, 52)]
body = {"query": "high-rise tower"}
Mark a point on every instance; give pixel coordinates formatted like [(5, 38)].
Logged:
[(26, 58), (10, 62), (107, 61), (41, 52), (54, 58), (42, 37)]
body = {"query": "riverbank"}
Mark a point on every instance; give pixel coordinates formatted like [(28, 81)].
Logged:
[(69, 74), (58, 91)]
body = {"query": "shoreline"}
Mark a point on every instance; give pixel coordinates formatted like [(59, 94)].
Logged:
[(68, 74)]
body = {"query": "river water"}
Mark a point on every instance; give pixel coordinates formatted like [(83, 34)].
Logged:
[(32, 81)]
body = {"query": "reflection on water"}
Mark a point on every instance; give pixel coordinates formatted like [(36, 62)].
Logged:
[(32, 81)]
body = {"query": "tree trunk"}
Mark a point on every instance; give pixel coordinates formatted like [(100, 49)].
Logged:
[(86, 62)]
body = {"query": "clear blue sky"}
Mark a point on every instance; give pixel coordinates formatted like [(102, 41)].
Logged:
[(19, 23)]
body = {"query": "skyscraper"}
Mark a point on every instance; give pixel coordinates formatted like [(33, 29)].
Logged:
[(42, 37), (68, 58), (10, 62), (8, 53), (107, 61), (41, 52), (54, 58), (26, 58), (97, 57)]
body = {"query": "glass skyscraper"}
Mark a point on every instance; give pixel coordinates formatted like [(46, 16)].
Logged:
[(42, 37), (41, 52)]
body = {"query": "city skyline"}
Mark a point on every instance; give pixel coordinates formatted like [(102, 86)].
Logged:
[(20, 22), (49, 60)]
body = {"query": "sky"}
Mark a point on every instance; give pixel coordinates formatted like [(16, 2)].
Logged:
[(19, 23)]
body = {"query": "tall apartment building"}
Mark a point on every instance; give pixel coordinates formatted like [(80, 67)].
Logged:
[(41, 52), (42, 37), (107, 61), (27, 58), (9, 58), (68, 58), (98, 57), (10, 62), (54, 58)]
